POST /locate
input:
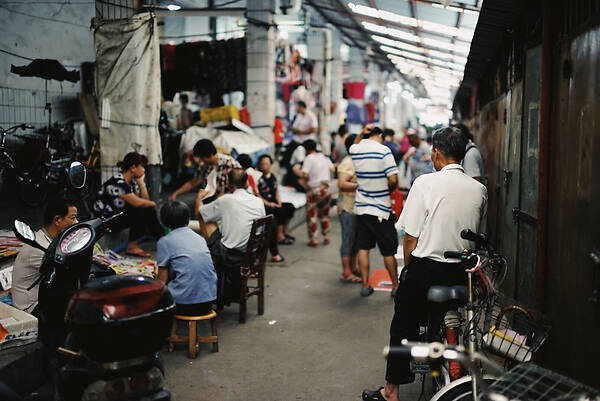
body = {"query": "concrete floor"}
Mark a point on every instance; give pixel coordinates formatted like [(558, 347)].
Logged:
[(318, 339)]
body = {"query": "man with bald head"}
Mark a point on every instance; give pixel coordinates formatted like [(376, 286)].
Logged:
[(233, 215)]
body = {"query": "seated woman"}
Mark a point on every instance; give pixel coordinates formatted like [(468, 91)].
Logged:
[(185, 264), (126, 192), (269, 192)]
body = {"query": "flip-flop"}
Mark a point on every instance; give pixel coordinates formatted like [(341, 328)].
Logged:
[(290, 237), (326, 241), (313, 243), (373, 395), (278, 261), (142, 254), (285, 241), (350, 279)]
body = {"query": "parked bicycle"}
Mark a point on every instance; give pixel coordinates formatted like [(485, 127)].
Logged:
[(523, 382), (489, 321)]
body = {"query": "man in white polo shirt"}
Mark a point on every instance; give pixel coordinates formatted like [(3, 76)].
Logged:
[(376, 175), (438, 207)]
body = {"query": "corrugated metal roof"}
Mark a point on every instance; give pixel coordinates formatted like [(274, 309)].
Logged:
[(423, 40), (495, 18)]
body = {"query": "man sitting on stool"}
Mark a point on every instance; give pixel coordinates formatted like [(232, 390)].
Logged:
[(233, 214)]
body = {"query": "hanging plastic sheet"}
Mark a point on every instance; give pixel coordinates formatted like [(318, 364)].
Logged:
[(128, 87)]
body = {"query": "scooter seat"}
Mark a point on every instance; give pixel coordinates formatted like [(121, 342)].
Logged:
[(442, 294)]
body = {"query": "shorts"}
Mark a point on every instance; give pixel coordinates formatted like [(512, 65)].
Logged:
[(371, 231)]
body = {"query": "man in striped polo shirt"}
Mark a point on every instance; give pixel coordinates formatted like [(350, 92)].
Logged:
[(376, 176)]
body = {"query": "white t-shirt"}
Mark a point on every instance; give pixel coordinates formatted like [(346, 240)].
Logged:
[(373, 163), (318, 167), (234, 214), (305, 122), (439, 206)]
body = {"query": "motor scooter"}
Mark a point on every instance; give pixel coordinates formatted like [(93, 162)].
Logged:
[(101, 332)]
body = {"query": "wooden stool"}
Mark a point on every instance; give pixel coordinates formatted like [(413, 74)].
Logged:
[(193, 339)]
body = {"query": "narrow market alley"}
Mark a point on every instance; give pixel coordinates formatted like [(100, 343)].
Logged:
[(318, 339)]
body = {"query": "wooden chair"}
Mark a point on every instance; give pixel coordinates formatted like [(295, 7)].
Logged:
[(253, 267), (192, 338)]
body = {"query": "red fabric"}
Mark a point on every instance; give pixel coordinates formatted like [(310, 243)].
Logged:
[(370, 107), (251, 183), (355, 90), (277, 129), (168, 57), (397, 199), (286, 87), (245, 116)]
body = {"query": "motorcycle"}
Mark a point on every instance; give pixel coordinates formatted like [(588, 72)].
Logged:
[(101, 332)]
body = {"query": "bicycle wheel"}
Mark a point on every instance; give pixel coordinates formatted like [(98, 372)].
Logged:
[(459, 390), (32, 191), (442, 379)]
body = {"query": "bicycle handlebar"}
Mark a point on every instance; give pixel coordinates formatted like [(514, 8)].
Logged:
[(454, 255), (479, 239)]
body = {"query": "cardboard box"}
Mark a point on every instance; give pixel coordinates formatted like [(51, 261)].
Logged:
[(16, 327)]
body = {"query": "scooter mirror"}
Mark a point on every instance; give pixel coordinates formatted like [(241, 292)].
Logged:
[(77, 175), (24, 232)]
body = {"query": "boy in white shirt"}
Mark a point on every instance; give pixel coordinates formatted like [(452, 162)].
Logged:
[(317, 170)]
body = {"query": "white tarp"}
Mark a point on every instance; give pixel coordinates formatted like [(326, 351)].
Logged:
[(128, 87), (234, 142)]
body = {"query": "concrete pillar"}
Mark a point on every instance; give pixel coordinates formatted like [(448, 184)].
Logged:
[(337, 79), (356, 65), (319, 49), (261, 67)]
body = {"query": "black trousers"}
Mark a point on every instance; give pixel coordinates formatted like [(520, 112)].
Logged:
[(140, 221), (410, 307), (281, 215)]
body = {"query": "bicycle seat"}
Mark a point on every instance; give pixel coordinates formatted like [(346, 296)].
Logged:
[(442, 294)]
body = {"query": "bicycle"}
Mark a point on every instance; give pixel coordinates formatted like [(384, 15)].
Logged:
[(493, 322), (48, 177), (523, 382), (444, 322)]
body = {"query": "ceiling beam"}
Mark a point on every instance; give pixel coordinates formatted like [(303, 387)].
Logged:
[(416, 30)]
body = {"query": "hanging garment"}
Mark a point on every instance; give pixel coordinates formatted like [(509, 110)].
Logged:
[(127, 53)]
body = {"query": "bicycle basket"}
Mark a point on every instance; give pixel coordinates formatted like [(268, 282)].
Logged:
[(511, 330), (529, 382)]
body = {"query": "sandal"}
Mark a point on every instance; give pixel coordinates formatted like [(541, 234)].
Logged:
[(373, 395), (290, 237), (313, 243), (285, 241), (350, 278), (326, 241), (273, 260)]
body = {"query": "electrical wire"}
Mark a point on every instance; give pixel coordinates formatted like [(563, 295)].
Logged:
[(227, 3), (64, 3), (43, 18), (202, 34)]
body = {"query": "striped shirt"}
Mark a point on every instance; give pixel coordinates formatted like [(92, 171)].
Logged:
[(373, 163)]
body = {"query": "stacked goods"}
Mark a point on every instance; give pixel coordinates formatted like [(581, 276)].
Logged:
[(125, 265)]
